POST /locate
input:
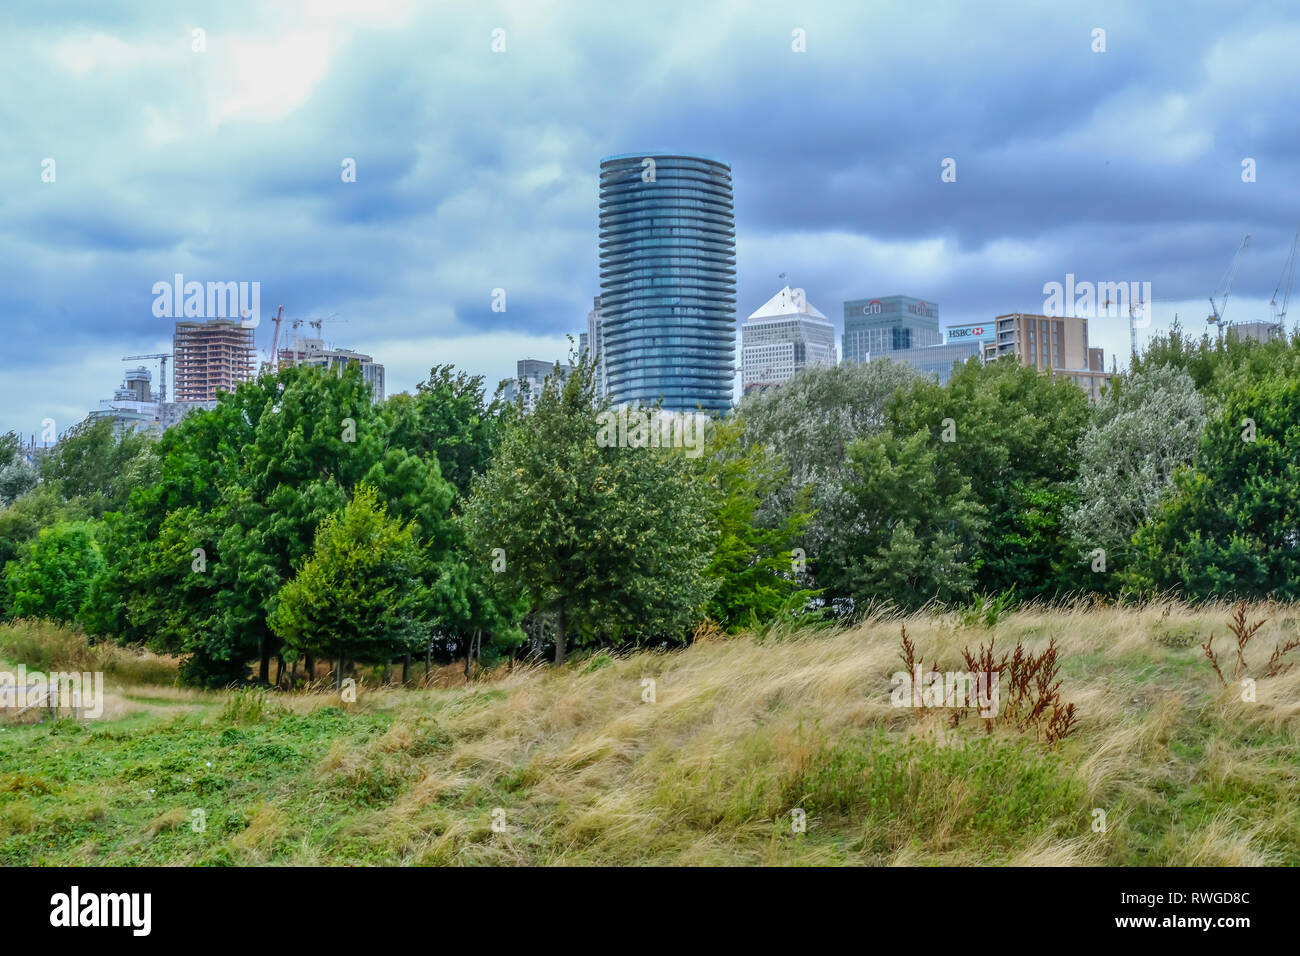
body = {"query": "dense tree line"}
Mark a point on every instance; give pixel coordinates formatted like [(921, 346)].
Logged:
[(300, 521)]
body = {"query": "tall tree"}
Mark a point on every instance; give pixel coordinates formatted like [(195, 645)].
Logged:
[(1012, 432), (91, 463), (810, 421), (249, 483), (1230, 527), (908, 529), (1142, 432), (756, 562), (451, 418), (359, 595), (52, 578), (612, 540)]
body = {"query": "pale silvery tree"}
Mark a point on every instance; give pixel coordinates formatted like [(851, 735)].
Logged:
[(810, 422), (16, 479), (1143, 431)]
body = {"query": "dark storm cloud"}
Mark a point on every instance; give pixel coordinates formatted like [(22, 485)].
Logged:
[(478, 171)]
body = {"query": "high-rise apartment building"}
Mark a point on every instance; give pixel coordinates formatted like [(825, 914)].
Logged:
[(211, 356), (668, 280), (313, 351), (875, 327), (1054, 344), (783, 336), (530, 377), (593, 341)]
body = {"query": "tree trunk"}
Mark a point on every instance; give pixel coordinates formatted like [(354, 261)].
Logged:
[(279, 669), (561, 626), (406, 665), (537, 637), (310, 664), (293, 674), (264, 670), (388, 673), (428, 657), (338, 673)]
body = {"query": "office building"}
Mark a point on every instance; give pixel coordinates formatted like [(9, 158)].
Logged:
[(783, 336), (668, 281), (313, 351), (936, 361), (1257, 331), (211, 356), (971, 332), (875, 327)]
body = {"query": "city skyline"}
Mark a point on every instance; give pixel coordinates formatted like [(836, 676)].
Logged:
[(225, 165)]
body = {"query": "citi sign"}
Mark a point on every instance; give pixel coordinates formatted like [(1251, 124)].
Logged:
[(874, 307), (922, 309)]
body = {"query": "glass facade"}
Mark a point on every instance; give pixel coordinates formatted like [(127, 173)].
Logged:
[(937, 361), (668, 281), (874, 327)]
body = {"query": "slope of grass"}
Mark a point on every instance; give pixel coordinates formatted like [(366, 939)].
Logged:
[(743, 737)]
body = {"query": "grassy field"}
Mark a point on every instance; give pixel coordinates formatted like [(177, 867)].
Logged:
[(579, 769)]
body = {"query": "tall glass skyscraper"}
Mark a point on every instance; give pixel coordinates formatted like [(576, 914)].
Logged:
[(668, 280), (875, 327)]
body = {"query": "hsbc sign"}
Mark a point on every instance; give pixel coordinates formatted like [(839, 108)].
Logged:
[(958, 332)]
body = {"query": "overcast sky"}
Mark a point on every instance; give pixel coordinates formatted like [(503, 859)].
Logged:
[(478, 170)]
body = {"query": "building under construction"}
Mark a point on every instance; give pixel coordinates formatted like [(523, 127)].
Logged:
[(211, 356)]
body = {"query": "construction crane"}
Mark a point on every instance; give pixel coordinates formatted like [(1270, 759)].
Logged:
[(1134, 307), (1217, 309), (274, 341), (162, 358), (1288, 277)]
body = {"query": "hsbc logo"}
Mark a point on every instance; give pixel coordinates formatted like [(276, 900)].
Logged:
[(965, 333)]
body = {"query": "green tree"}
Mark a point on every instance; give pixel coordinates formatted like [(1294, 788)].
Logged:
[(29, 513), (449, 418), (358, 596), (810, 421), (1013, 434), (908, 529), (52, 578), (94, 465), (1229, 528), (613, 541), (753, 563), (252, 481)]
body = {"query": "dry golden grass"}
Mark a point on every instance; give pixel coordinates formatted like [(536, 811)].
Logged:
[(585, 769), (585, 765)]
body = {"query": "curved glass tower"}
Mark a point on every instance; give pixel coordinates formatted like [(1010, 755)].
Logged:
[(668, 280)]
